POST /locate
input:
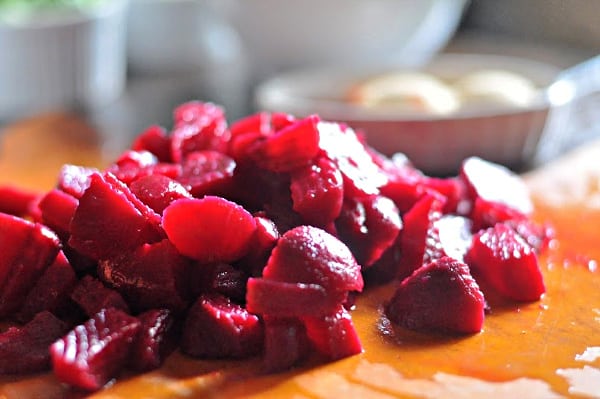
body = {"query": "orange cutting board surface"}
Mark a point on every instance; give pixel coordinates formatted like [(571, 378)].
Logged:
[(546, 349)]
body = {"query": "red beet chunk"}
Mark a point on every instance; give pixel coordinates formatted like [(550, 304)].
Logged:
[(25, 349), (310, 255), (264, 240), (57, 208), (419, 239), (93, 353), (17, 201), (440, 296), (108, 222), (155, 140), (286, 343), (504, 260), (52, 290), (211, 229), (486, 214), (334, 335), (292, 147), (452, 188), (217, 328), (230, 282), (92, 296), (263, 123), (152, 276), (362, 177), (27, 250), (75, 179), (404, 191), (154, 341), (207, 173), (158, 191), (369, 226), (494, 183), (317, 192), (280, 299), (198, 126)]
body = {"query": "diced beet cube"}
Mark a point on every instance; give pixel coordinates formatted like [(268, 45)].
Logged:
[(107, 222), (263, 123), (155, 140), (504, 260), (280, 299), (419, 239), (132, 165), (289, 148), (211, 229), (154, 341), (17, 201), (57, 208), (285, 344), (92, 296), (93, 353), (198, 126), (439, 296), (52, 290), (25, 349), (310, 255), (207, 173), (217, 328), (333, 335), (229, 281), (369, 226), (152, 276), (75, 179), (27, 250), (317, 192), (495, 183), (158, 191), (362, 177)]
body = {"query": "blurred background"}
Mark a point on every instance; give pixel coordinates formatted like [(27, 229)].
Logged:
[(124, 64)]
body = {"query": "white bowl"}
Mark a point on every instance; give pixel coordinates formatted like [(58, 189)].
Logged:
[(66, 59), (279, 35), (435, 143)]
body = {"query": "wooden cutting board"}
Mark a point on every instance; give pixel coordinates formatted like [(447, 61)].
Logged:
[(546, 349)]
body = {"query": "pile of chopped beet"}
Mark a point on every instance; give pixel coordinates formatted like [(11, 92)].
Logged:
[(250, 239)]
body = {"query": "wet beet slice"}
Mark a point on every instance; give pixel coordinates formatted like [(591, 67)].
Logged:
[(107, 222), (290, 148), (217, 328), (369, 226), (16, 201), (504, 260), (158, 191), (334, 335), (419, 239), (280, 299), (211, 229), (74, 179), (155, 140), (25, 349), (207, 173), (310, 255), (440, 296), (198, 126), (52, 290), (93, 353), (27, 250), (154, 341), (152, 276), (317, 192), (57, 208)]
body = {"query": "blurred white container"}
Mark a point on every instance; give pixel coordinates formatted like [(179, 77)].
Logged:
[(57, 59), (278, 35)]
